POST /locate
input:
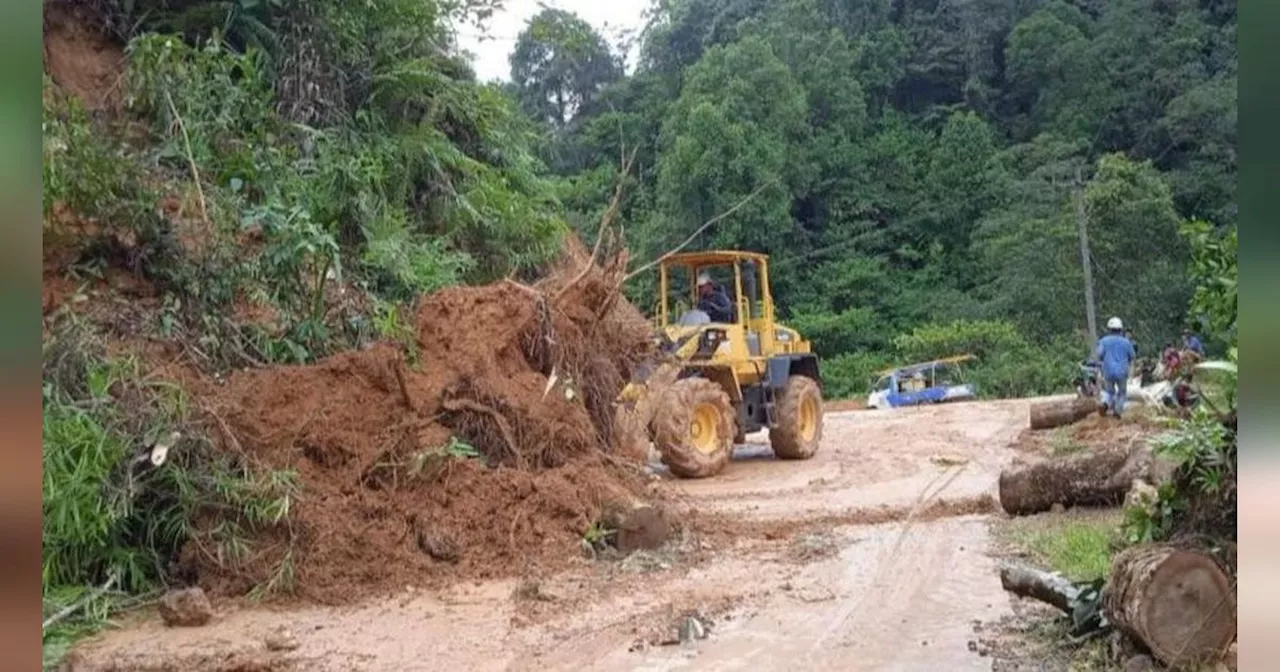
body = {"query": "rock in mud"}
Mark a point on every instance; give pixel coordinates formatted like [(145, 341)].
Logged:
[(281, 640), (186, 608), (639, 526), (1140, 663), (692, 629), (437, 546)]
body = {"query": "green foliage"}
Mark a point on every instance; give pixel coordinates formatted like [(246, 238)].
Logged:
[(218, 100), (111, 515), (723, 140), (1080, 551), (89, 173), (1203, 454), (431, 184), (1079, 545), (597, 537), (1008, 364), (1201, 498), (852, 374), (978, 338), (924, 162), (849, 331), (1201, 445), (1214, 272)]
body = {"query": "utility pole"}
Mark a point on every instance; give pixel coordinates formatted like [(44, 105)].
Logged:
[(1090, 312)]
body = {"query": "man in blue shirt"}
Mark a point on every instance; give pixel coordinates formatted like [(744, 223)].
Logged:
[(1116, 354)]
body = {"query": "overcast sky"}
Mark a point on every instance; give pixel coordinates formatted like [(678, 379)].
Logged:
[(608, 17)]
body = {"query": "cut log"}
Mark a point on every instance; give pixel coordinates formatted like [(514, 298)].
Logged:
[(1143, 464), (1078, 480), (1052, 414), (638, 526), (1176, 602), (1051, 589)]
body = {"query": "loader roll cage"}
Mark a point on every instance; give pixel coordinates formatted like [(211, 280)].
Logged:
[(752, 299)]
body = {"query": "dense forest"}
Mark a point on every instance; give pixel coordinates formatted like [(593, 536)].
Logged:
[(920, 162), (912, 165)]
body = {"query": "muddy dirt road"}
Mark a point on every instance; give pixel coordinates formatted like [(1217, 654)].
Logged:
[(873, 555)]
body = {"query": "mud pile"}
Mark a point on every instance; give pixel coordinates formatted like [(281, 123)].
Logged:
[(490, 455)]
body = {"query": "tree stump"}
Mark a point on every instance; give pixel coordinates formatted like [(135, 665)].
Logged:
[(638, 526), (1178, 603), (1083, 479), (1052, 414)]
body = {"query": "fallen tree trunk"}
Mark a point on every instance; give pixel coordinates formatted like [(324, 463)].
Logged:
[(1084, 479), (1052, 414), (1051, 589), (1178, 603)]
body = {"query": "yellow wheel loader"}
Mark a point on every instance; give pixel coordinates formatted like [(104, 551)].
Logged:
[(728, 368)]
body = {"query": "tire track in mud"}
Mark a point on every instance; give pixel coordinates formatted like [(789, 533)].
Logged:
[(884, 567), (924, 577)]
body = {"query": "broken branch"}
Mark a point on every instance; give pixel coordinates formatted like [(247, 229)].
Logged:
[(614, 204), (191, 159), (705, 225), (1051, 589)]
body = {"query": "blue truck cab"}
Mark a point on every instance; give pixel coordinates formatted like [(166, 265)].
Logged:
[(925, 383)]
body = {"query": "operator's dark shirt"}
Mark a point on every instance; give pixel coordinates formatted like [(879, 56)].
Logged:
[(717, 305)]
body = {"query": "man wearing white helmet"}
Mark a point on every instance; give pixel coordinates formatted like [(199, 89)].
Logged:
[(1116, 354), (713, 300)]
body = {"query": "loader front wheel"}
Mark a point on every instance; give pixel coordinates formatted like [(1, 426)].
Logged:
[(694, 427), (799, 429)]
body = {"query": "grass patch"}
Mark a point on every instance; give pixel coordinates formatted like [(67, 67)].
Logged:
[(1061, 442), (1078, 544), (117, 509)]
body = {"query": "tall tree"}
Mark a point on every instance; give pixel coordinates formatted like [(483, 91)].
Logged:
[(559, 66)]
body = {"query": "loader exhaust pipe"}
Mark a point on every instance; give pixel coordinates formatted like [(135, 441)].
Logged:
[(749, 285)]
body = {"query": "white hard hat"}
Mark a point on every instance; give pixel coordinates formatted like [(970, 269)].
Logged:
[(1115, 324), (704, 278)]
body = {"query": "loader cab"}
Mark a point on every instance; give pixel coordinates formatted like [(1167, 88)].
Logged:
[(744, 276)]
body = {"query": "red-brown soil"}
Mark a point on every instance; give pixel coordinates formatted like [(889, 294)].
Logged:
[(381, 506)]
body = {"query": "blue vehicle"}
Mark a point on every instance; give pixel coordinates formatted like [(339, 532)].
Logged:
[(925, 383)]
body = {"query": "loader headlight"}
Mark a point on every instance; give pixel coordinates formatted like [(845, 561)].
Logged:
[(710, 341)]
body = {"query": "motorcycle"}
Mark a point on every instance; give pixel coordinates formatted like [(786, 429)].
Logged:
[(1088, 381)]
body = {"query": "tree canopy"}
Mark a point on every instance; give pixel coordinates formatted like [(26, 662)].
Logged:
[(920, 162)]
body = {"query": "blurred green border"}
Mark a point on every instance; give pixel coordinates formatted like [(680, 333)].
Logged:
[(1259, 165), (20, 23)]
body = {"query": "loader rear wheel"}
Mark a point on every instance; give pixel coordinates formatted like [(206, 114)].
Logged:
[(694, 427), (799, 429)]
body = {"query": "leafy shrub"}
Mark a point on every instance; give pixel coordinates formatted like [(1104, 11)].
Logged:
[(976, 337), (92, 174), (852, 374), (111, 516), (1214, 269), (853, 330), (1008, 364), (216, 100)]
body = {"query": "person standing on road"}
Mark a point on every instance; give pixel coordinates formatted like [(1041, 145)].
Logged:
[(1117, 355)]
